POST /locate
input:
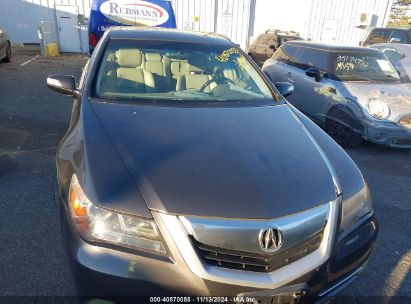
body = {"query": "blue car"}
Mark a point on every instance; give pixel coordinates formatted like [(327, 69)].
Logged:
[(108, 13)]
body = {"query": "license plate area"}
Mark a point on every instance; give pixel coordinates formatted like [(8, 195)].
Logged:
[(293, 294)]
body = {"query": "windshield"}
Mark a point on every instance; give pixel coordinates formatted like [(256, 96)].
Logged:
[(364, 67), (162, 71)]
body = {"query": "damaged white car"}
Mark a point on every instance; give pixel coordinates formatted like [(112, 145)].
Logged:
[(354, 93)]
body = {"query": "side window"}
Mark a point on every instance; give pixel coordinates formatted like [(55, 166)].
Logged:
[(394, 55), (312, 58), (379, 36), (287, 54), (398, 36)]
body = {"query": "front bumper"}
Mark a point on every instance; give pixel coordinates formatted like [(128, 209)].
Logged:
[(388, 133), (111, 273)]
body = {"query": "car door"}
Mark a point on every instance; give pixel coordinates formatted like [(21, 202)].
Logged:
[(312, 96), (279, 67)]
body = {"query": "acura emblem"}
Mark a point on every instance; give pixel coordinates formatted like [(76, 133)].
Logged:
[(270, 240)]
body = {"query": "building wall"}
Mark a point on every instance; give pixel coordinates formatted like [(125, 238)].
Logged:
[(240, 20), (311, 17), (228, 17), (21, 18), (347, 14)]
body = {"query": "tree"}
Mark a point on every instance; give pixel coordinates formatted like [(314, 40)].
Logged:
[(400, 13)]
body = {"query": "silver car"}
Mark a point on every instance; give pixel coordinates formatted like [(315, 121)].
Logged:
[(354, 93), (400, 56), (5, 46)]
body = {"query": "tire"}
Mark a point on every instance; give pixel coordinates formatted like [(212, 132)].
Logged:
[(8, 53), (339, 128)]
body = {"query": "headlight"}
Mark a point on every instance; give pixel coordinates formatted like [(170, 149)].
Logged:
[(355, 208), (379, 109), (106, 226)]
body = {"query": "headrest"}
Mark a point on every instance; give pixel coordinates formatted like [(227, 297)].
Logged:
[(153, 57), (178, 67), (175, 67), (129, 58), (197, 64)]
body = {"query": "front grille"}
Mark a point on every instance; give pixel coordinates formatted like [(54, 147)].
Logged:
[(256, 262)]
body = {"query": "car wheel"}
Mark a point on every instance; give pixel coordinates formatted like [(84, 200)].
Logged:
[(340, 131), (8, 53)]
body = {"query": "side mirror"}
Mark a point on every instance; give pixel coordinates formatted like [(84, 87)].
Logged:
[(313, 72), (272, 46), (63, 84), (285, 88)]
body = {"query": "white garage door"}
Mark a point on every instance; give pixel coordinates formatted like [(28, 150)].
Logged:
[(68, 28)]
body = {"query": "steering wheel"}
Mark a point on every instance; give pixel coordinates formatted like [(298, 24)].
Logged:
[(217, 80)]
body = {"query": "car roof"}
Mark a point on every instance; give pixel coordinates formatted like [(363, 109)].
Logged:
[(330, 47), (165, 34)]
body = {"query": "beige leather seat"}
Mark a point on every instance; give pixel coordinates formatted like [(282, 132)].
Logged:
[(195, 76), (131, 78), (159, 66), (178, 68)]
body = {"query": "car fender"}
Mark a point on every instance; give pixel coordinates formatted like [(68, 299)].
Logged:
[(88, 152), (351, 179), (348, 114)]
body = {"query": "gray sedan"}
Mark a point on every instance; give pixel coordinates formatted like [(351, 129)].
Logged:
[(184, 171)]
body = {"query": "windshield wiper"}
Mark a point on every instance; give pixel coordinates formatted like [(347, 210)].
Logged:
[(392, 77), (358, 79)]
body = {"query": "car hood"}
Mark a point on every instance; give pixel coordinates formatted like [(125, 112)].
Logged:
[(233, 162), (397, 96)]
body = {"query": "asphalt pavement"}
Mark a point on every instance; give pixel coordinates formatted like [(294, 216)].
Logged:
[(32, 262)]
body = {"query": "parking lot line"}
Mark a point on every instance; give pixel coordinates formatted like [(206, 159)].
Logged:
[(28, 61)]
